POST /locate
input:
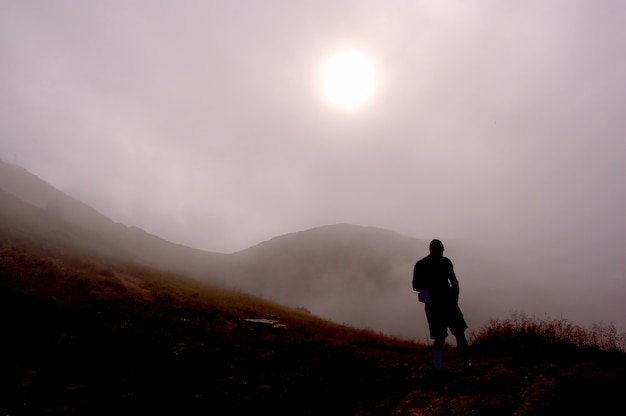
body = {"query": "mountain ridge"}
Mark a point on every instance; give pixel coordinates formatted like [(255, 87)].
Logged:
[(353, 274), (333, 270)]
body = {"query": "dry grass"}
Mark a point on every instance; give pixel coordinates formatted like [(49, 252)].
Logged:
[(86, 334), (83, 333), (69, 279), (523, 332)]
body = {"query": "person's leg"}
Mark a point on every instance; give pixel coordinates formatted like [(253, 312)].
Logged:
[(463, 346), (438, 333), (457, 327), (438, 345)]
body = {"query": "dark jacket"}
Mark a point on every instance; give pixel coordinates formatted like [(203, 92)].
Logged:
[(436, 274)]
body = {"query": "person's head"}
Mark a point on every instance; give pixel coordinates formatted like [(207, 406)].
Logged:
[(436, 248)]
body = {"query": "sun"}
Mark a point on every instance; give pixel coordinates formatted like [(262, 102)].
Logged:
[(348, 79)]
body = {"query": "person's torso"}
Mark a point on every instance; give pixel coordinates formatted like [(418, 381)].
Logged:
[(437, 273)]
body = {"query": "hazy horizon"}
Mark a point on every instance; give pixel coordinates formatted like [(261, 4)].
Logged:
[(205, 123)]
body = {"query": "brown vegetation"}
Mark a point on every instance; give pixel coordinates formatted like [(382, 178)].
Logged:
[(91, 335)]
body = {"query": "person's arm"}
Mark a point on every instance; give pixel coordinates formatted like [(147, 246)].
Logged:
[(454, 282)]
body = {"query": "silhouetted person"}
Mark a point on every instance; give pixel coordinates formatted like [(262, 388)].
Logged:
[(438, 287)]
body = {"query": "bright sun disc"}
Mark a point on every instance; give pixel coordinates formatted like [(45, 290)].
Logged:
[(348, 80)]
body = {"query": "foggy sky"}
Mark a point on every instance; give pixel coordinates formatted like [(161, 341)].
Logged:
[(202, 121)]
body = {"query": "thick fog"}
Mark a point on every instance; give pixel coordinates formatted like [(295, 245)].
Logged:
[(501, 124)]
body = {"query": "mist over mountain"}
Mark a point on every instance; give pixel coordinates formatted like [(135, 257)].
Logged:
[(357, 275), (351, 274), (66, 220)]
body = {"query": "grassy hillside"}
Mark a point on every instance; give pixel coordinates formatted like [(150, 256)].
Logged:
[(95, 337), (32, 207), (88, 335), (100, 319), (347, 273)]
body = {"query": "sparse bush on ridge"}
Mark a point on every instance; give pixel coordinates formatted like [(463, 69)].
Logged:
[(525, 333)]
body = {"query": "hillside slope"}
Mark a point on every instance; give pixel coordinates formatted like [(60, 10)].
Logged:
[(91, 337), (66, 220), (350, 274)]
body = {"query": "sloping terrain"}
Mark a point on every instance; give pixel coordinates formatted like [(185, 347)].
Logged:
[(350, 274), (70, 222), (85, 336), (108, 319)]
